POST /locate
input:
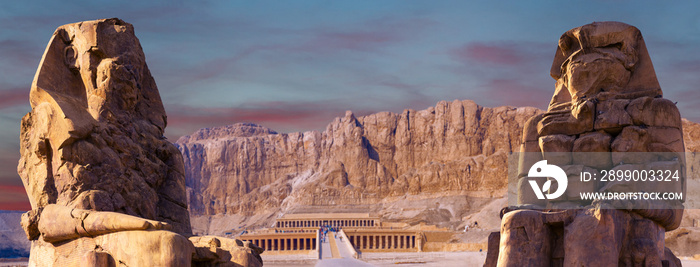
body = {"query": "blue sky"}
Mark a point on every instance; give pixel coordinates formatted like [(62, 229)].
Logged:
[(293, 66)]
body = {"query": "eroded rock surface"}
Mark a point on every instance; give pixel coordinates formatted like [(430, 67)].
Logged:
[(607, 100), (106, 187), (94, 138), (453, 147)]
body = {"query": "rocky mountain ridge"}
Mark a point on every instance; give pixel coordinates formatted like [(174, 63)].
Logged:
[(452, 148), (436, 165)]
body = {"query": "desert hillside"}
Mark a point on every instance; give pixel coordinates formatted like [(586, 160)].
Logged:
[(454, 152), (444, 165)]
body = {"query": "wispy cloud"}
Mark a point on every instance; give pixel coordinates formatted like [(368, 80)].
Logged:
[(501, 54), (279, 116), (13, 198), (14, 97), (518, 93), (514, 73)]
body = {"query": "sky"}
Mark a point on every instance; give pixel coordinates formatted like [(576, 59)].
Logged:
[(295, 65)]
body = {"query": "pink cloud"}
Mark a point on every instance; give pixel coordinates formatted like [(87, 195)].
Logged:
[(516, 93), (23, 54), (13, 198), (501, 54), (687, 66), (14, 97), (13, 189), (23, 206), (279, 116), (359, 40), (372, 36)]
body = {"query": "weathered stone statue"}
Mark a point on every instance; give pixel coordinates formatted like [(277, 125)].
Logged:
[(106, 187), (607, 101)]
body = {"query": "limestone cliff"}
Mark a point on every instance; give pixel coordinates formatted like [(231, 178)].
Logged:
[(454, 147), (444, 165)]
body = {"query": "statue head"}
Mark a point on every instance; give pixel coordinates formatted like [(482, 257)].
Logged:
[(602, 58), (99, 67)]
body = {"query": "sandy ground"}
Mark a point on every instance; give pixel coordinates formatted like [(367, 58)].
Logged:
[(427, 259)]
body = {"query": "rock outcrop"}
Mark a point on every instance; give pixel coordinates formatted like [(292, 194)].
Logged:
[(106, 187), (453, 147), (607, 113), (94, 138)]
